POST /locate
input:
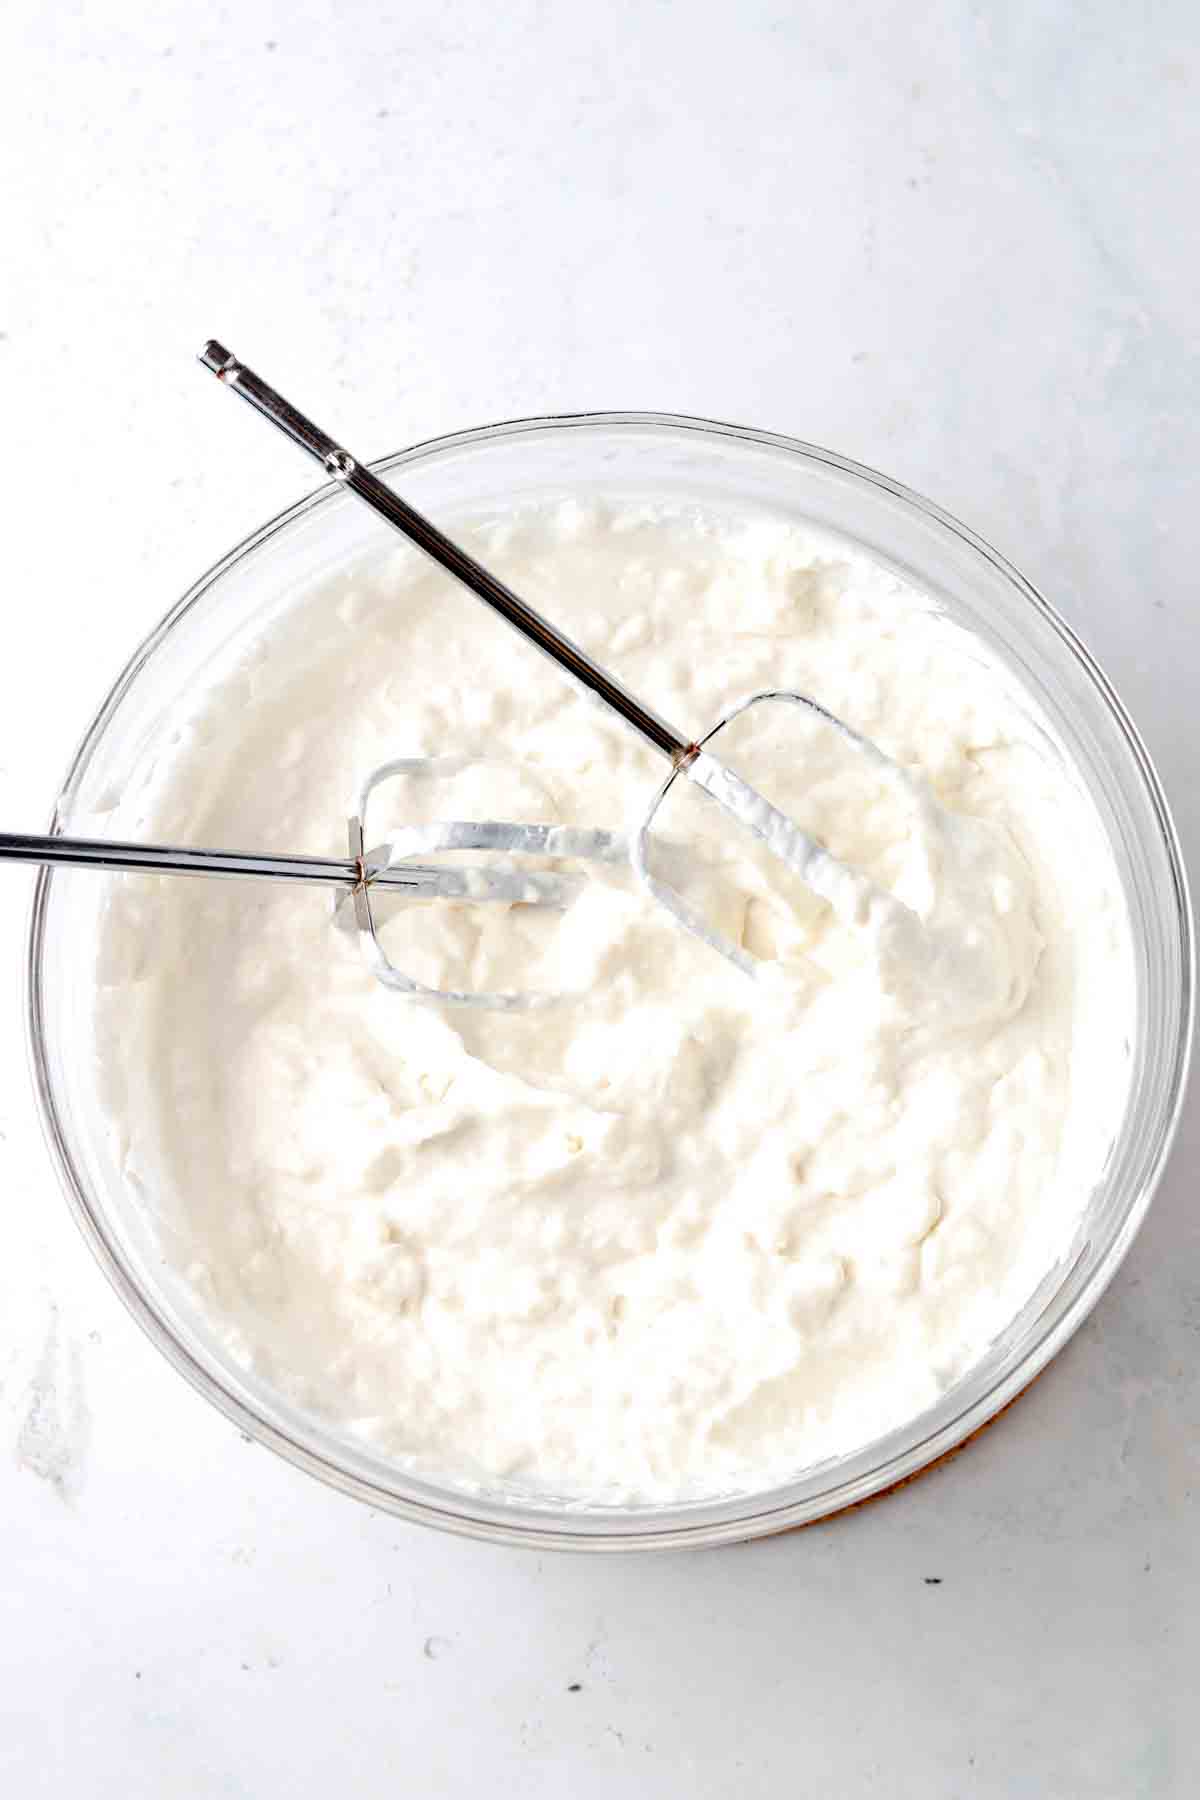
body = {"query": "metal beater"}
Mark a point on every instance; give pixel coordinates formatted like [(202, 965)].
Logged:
[(853, 896)]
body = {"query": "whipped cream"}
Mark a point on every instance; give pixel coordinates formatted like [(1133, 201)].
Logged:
[(684, 1232)]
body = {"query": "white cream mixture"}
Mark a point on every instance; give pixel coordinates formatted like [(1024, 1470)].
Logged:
[(686, 1232)]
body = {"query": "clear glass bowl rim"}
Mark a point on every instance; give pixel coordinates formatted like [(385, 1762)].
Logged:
[(879, 1466)]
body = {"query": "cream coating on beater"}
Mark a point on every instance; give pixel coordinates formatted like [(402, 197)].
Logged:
[(683, 1233)]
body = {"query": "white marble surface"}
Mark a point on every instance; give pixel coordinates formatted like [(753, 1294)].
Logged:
[(956, 240)]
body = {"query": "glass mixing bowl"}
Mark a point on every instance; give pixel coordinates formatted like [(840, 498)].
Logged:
[(593, 456)]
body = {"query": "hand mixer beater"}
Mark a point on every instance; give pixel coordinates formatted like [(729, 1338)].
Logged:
[(853, 896)]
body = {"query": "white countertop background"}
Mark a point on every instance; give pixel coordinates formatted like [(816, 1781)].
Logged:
[(955, 240)]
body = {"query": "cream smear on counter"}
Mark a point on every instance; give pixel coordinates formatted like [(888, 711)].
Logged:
[(684, 1233)]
